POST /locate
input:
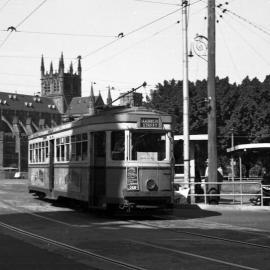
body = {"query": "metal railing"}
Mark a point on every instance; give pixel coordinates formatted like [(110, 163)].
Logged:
[(230, 192)]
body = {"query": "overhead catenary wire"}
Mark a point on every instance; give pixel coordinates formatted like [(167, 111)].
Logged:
[(136, 30), (4, 5), (62, 34), (23, 21), (136, 43), (248, 43), (228, 49), (157, 2), (130, 33), (130, 47), (260, 28), (31, 13), (251, 30)]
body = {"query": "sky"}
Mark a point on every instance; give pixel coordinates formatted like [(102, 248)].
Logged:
[(151, 49)]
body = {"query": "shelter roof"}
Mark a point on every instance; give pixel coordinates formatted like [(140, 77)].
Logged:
[(253, 146), (196, 137)]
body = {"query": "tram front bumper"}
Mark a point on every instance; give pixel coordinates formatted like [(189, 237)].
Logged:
[(148, 197)]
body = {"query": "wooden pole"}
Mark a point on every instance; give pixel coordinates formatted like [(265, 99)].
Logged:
[(211, 91)]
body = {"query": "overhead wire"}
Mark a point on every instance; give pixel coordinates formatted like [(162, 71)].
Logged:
[(4, 5), (133, 45), (248, 43), (262, 37), (228, 49), (260, 28), (61, 34), (31, 13), (130, 33), (23, 21), (136, 30), (156, 2)]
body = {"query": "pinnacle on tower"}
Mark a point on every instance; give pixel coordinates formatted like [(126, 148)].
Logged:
[(71, 68), (79, 65), (51, 68), (61, 63), (109, 97), (92, 101), (42, 68)]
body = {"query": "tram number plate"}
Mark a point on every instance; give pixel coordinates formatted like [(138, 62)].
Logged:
[(132, 178), (131, 187), (149, 123)]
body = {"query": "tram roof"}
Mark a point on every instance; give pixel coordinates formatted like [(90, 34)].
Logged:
[(108, 115), (250, 146)]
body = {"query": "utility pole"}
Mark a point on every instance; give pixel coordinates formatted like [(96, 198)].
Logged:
[(185, 93), (211, 91)]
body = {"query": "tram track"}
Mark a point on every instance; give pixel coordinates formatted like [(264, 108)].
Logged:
[(122, 264), (200, 235), (149, 224), (70, 247)]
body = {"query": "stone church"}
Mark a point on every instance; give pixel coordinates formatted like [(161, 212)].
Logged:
[(59, 100)]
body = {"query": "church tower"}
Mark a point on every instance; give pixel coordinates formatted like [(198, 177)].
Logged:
[(59, 85)]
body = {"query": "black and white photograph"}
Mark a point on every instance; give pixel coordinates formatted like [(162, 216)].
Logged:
[(134, 134)]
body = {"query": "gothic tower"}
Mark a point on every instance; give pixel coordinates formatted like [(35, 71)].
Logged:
[(59, 85)]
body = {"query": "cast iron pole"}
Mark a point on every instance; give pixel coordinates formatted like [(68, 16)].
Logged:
[(185, 94)]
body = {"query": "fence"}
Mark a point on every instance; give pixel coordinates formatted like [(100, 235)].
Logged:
[(234, 191)]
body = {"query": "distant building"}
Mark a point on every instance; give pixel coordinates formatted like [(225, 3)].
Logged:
[(132, 99), (61, 86), (21, 115)]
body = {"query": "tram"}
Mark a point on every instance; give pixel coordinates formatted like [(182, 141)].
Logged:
[(121, 157)]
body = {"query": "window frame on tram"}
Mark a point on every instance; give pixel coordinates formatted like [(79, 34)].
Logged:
[(72, 148), (39, 152)]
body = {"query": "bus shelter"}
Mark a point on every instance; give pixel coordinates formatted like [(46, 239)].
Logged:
[(197, 158), (248, 156)]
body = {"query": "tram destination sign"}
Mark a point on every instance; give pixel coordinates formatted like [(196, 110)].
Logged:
[(149, 123)]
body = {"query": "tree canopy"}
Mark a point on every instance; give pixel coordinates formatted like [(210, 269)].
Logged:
[(243, 109)]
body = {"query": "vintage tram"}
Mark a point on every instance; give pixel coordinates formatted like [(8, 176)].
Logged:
[(121, 156)]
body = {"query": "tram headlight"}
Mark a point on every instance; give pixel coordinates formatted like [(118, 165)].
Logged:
[(151, 185)]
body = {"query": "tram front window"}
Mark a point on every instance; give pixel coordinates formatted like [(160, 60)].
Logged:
[(148, 146)]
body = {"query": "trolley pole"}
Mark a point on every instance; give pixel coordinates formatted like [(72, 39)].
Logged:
[(211, 91), (185, 95)]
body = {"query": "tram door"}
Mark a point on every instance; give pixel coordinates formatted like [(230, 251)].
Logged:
[(51, 165), (98, 168)]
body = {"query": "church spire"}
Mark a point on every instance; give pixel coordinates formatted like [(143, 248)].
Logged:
[(109, 97), (92, 101)]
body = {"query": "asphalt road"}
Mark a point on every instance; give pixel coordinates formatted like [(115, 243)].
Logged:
[(199, 237)]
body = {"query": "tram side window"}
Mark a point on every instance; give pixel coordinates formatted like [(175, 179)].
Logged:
[(79, 147), (38, 152), (63, 149), (118, 145), (31, 156)]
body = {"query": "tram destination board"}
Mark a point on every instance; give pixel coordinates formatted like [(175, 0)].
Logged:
[(149, 123)]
